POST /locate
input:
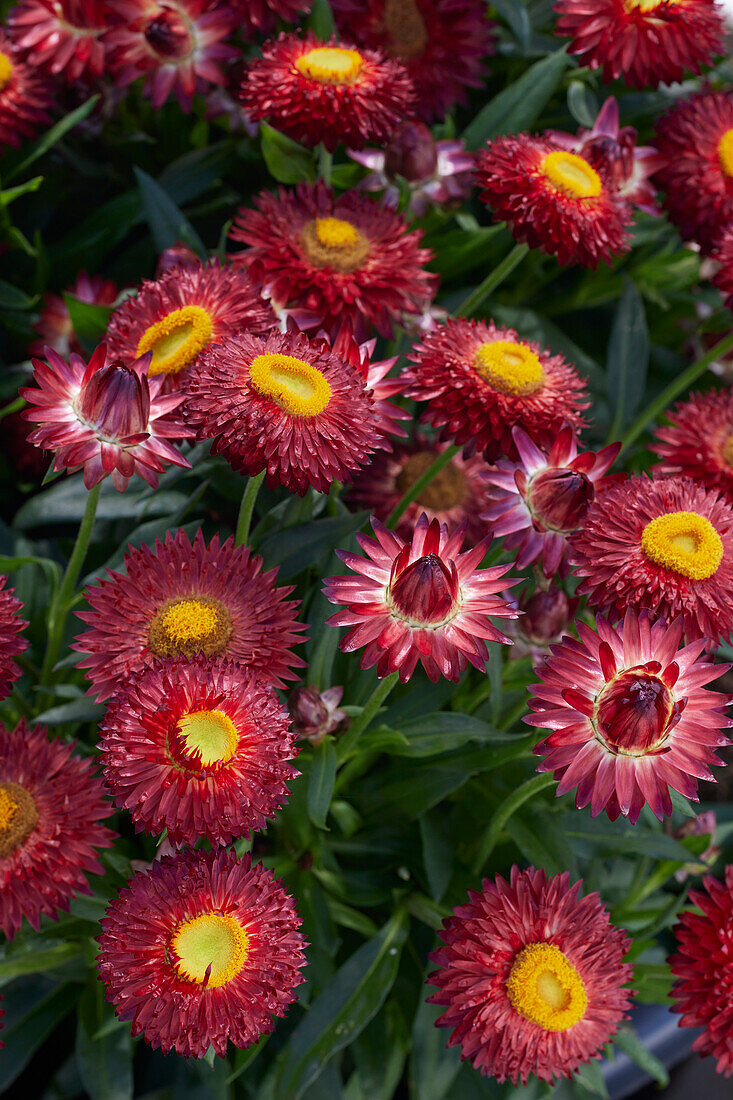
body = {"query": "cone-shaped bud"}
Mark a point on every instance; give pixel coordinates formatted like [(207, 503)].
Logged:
[(315, 714), (546, 614), (634, 712), (559, 497), (178, 255), (426, 591), (411, 153), (115, 401)]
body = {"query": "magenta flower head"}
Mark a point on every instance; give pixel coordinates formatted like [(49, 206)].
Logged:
[(107, 417)]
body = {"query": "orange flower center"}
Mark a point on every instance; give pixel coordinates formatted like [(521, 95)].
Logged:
[(405, 26), (334, 243), (571, 174), (209, 736), (684, 542), (545, 988), (725, 152), (296, 386), (510, 368), (190, 625), (330, 65), (446, 491), (177, 339), (18, 816), (6, 70), (209, 949)]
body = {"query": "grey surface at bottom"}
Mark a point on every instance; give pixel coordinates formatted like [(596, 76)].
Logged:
[(692, 1079)]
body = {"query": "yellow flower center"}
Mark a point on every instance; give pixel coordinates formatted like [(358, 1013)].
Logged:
[(6, 70), (725, 152), (177, 339), (296, 386), (408, 36), (209, 735), (684, 542), (444, 492), (509, 368), (213, 941), (648, 5), (571, 174), (334, 243), (545, 987), (190, 625), (18, 816), (330, 65)]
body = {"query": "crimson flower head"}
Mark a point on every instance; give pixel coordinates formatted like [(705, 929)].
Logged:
[(703, 991), (11, 645), (326, 92), (201, 949), (441, 43), (26, 96), (723, 277), (54, 326), (63, 37), (419, 600), (532, 977), (629, 715), (554, 200), (698, 442), (106, 417), (260, 16), (645, 42), (542, 499)]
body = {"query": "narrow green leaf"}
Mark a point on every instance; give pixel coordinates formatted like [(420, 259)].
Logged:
[(321, 782), (36, 962), (627, 1040), (49, 139), (78, 710), (519, 105), (286, 160), (104, 1058), (433, 1066), (88, 319), (10, 194), (31, 1015), (168, 224), (517, 798), (437, 853), (628, 356), (582, 104), (321, 20), (11, 297)]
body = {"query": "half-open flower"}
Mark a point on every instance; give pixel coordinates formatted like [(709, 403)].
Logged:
[(26, 96), (63, 37)]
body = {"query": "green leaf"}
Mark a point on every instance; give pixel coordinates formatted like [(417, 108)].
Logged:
[(286, 160), (49, 139), (437, 853), (88, 319), (653, 983), (32, 1012), (334, 1020), (379, 1053), (10, 194), (628, 356), (428, 736), (410, 790), (296, 548), (168, 224), (104, 1057), (627, 1040), (11, 297), (519, 105), (66, 500), (321, 782), (620, 836), (503, 812), (36, 962), (78, 710), (321, 20), (433, 1066), (582, 104)]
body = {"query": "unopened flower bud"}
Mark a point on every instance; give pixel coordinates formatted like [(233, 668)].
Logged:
[(559, 498), (426, 591), (168, 35), (115, 402), (178, 255), (546, 614), (316, 714), (411, 153)]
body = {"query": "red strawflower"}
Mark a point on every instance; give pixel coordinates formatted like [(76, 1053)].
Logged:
[(10, 644), (532, 976), (198, 747), (543, 498), (176, 44), (480, 381), (703, 991), (106, 417), (441, 43), (50, 808), (25, 96), (327, 92), (554, 200), (346, 259), (629, 716), (647, 42), (184, 599), (54, 326), (723, 277), (184, 312), (698, 443), (662, 544), (62, 37), (695, 142), (201, 949), (262, 15), (419, 600), (374, 375), (457, 495), (284, 404)]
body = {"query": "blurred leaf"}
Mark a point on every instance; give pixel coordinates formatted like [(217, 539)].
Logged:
[(89, 320), (36, 962), (320, 20), (590, 1077), (380, 1052), (104, 1061), (33, 1009), (10, 194), (437, 733), (628, 356), (519, 105), (79, 710), (190, 175), (11, 297), (582, 104), (321, 782), (409, 789), (297, 548), (51, 136), (517, 16), (286, 161), (620, 836), (627, 1040), (433, 1066), (459, 251), (168, 224), (66, 500), (437, 852)]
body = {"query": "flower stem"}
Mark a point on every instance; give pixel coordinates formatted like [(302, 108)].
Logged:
[(247, 507), (677, 386), (347, 743), (325, 164), (470, 304), (422, 482), (63, 598), (509, 806), (14, 406)]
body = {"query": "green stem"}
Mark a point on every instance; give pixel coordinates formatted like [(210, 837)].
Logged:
[(63, 598), (325, 165), (246, 508), (422, 482), (675, 388), (14, 406), (504, 811), (492, 281), (347, 743)]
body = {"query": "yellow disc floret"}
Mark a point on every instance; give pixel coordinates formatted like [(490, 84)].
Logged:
[(18, 816), (6, 70), (212, 940), (209, 735), (648, 5), (684, 542), (725, 152), (330, 65), (337, 233), (188, 621), (571, 174), (189, 625), (295, 385), (8, 809), (177, 339), (334, 243), (545, 987), (509, 368)]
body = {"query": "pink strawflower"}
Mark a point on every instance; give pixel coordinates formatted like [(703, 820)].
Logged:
[(11, 645), (63, 37)]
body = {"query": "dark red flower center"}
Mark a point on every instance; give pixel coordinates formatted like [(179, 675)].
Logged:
[(18, 816), (559, 497), (635, 711), (169, 36), (405, 26), (115, 402), (425, 592)]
